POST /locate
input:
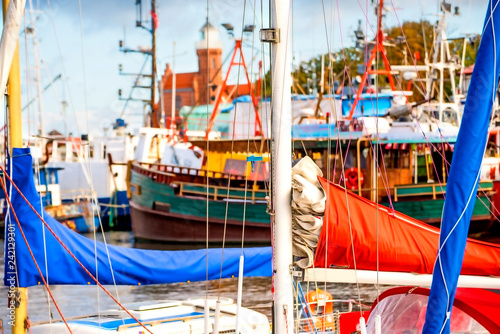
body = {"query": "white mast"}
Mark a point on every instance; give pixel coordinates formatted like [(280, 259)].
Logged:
[(172, 125), (281, 160)]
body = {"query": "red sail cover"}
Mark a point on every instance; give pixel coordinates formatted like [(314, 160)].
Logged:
[(404, 244)]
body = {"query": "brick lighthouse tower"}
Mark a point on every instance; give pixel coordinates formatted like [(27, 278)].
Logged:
[(191, 88), (209, 51)]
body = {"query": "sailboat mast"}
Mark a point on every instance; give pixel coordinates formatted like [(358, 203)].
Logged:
[(282, 169), (16, 140), (172, 125), (153, 61)]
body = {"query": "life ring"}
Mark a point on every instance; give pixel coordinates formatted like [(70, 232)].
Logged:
[(353, 177), (321, 306)]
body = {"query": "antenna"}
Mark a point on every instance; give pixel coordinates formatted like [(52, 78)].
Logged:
[(229, 27), (138, 13)]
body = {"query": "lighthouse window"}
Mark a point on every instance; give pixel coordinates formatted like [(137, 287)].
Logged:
[(213, 63), (178, 102)]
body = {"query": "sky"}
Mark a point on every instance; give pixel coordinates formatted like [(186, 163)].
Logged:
[(82, 45)]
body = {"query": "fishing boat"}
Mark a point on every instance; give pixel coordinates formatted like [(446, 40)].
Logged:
[(414, 151), (171, 180), (94, 169)]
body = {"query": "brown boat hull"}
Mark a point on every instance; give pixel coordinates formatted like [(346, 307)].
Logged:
[(154, 225)]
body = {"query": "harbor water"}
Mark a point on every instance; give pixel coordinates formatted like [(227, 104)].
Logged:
[(77, 301)]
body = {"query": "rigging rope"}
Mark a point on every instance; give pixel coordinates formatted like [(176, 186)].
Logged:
[(342, 174), (231, 157)]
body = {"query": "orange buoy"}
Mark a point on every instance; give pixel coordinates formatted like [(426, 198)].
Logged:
[(321, 305)]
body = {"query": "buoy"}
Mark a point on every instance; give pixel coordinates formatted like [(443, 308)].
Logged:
[(353, 177), (321, 305)]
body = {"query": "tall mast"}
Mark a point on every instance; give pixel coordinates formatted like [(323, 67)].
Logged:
[(172, 125), (16, 140), (278, 35), (152, 86), (153, 63), (37, 69)]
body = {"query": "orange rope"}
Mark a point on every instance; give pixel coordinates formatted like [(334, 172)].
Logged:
[(69, 252)]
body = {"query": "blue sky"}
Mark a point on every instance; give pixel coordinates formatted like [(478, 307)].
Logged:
[(92, 109)]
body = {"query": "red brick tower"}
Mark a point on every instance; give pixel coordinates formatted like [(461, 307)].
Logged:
[(209, 51)]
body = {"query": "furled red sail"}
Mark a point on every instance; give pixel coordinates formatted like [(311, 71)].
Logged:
[(404, 244)]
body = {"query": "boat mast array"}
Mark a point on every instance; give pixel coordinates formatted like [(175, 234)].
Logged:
[(154, 115)]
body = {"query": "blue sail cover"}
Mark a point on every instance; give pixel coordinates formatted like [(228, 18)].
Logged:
[(130, 266), (464, 175)]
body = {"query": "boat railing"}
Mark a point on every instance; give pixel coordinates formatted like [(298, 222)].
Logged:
[(155, 174), (320, 321), (176, 170), (433, 189), (419, 190), (221, 192), (76, 194)]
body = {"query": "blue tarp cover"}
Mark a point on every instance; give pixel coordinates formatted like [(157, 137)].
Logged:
[(130, 266)]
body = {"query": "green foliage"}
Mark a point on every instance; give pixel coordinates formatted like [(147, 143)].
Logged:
[(409, 42)]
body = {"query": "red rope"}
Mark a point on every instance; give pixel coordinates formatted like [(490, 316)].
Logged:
[(31, 253), (69, 252)]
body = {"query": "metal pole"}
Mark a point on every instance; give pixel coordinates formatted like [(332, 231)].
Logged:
[(153, 63), (441, 67), (172, 125), (282, 169)]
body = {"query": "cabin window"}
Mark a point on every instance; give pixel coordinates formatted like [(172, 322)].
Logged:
[(396, 158)]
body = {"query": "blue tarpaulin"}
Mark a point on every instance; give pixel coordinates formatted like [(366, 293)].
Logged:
[(130, 266), (464, 175)]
